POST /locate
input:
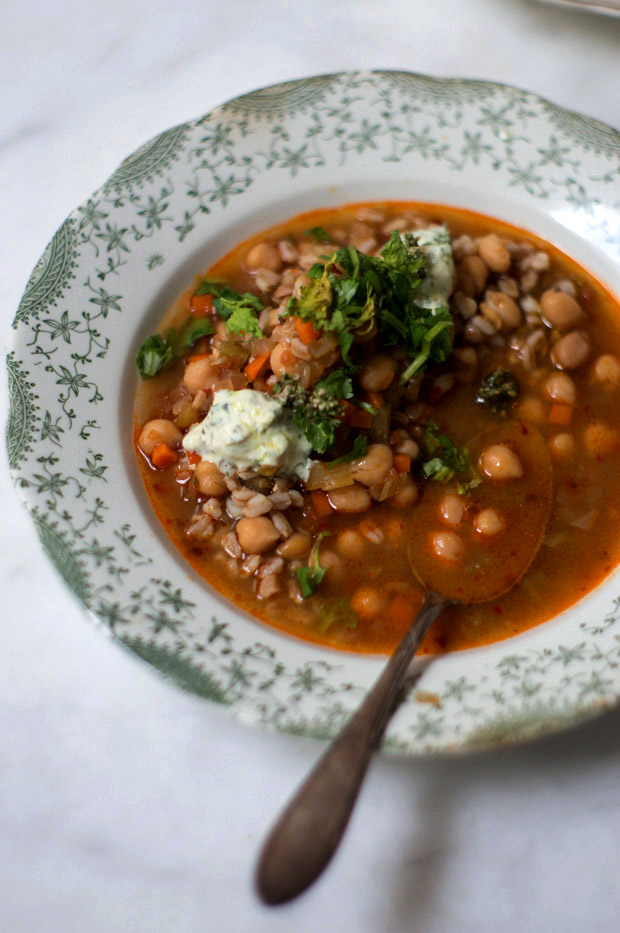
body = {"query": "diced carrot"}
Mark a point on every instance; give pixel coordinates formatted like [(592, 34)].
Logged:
[(401, 611), (305, 330), (201, 304), (373, 398), (197, 356), (560, 414), (360, 418), (347, 409), (256, 366), (402, 463), (320, 503), (163, 456), (193, 457)]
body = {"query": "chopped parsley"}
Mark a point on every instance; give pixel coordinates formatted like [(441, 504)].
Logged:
[(310, 577), (445, 460), (317, 412), (499, 390), (318, 234), (339, 383), (351, 292), (240, 311), (157, 353)]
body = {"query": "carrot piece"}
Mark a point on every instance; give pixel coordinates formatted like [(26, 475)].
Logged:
[(401, 611), (360, 418), (163, 456), (197, 356), (373, 398), (201, 304), (305, 330), (560, 414), (193, 457), (320, 503), (402, 463), (256, 366)]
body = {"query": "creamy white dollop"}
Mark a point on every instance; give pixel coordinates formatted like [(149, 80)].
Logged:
[(248, 429), (438, 283)]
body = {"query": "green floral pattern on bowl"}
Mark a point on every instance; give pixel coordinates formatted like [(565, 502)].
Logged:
[(169, 210)]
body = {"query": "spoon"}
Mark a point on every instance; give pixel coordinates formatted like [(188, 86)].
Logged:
[(308, 831)]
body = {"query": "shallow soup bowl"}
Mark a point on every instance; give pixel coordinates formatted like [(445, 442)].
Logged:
[(170, 210)]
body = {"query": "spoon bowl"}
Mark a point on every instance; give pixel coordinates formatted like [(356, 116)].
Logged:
[(488, 565)]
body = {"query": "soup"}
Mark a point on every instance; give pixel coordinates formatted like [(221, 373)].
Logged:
[(303, 394)]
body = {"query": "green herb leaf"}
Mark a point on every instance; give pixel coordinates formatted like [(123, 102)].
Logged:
[(445, 460), (499, 390), (310, 577), (360, 446), (318, 234), (316, 412), (401, 254), (157, 353), (339, 383), (153, 356), (239, 311)]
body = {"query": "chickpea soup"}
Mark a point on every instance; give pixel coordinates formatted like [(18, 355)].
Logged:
[(312, 407)]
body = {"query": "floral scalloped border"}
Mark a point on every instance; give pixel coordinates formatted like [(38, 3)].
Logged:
[(66, 323)]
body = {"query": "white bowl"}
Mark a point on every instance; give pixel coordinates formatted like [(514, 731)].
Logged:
[(119, 260)]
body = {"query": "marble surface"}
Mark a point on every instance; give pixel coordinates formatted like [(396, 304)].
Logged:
[(124, 804)]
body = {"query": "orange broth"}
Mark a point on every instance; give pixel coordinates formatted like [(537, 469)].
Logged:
[(573, 559)]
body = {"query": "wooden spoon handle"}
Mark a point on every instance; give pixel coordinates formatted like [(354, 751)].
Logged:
[(308, 831)]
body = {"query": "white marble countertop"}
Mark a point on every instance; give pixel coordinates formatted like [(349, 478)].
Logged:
[(126, 805)]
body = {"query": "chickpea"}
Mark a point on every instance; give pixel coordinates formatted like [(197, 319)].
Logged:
[(378, 373), (451, 509), (256, 535), (562, 445), (505, 307), (447, 544), (607, 370), (210, 480), (367, 602), (500, 463), (494, 253), (600, 439), (477, 269), (200, 374), (372, 468), (489, 522), (355, 498), (532, 409), (561, 389), (407, 494), (331, 562), (158, 431), (350, 544), (283, 360), (572, 350), (559, 309), (409, 448), (294, 547), (263, 256)]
